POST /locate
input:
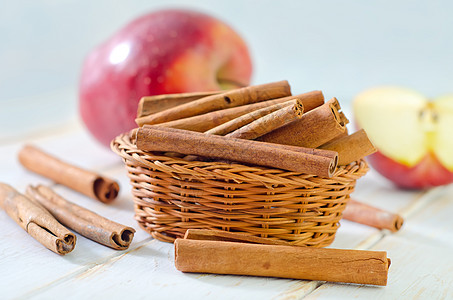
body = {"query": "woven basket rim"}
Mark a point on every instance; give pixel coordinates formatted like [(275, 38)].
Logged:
[(123, 145)]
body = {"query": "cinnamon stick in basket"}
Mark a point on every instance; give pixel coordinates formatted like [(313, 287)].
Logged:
[(269, 122), (210, 120), (351, 147), (37, 221), (236, 123), (156, 138), (258, 122), (153, 104), (314, 129), (238, 258), (86, 182), (82, 220), (365, 214), (236, 97)]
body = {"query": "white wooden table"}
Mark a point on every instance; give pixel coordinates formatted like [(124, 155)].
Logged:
[(421, 252)]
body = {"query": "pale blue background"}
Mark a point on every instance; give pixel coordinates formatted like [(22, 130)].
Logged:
[(340, 47)]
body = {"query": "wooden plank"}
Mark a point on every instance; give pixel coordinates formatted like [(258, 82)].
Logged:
[(418, 271), (422, 263), (25, 258), (29, 261), (76, 147), (381, 193), (152, 266), (149, 263), (149, 272)]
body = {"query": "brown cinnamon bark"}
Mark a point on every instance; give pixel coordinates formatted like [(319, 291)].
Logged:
[(314, 129), (153, 104), (86, 182), (351, 147), (269, 122), (243, 120), (37, 221), (82, 220), (337, 265), (210, 120), (312, 151), (156, 138), (225, 236), (233, 98), (372, 216)]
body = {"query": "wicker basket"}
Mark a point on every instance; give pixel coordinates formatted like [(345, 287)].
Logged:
[(172, 195)]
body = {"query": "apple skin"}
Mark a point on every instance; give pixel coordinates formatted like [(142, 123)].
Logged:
[(429, 172), (168, 51), (411, 133)]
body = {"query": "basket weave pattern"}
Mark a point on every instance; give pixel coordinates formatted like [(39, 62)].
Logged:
[(172, 195)]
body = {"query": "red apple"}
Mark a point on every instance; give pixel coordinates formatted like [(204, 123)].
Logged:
[(168, 51), (414, 136)]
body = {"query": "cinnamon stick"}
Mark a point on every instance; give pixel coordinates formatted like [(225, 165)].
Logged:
[(351, 147), (243, 120), (37, 221), (233, 98), (314, 129), (82, 220), (156, 138), (362, 213), (312, 151), (210, 120), (225, 236), (270, 122), (86, 182), (153, 104), (260, 128), (326, 264)]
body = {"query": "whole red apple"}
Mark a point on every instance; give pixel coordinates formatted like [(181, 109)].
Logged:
[(168, 51), (414, 136)]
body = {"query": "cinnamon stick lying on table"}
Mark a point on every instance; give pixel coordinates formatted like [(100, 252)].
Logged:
[(86, 182), (153, 104), (156, 138), (82, 220), (37, 221), (225, 236), (372, 216), (314, 129), (270, 122), (210, 120), (351, 147), (236, 97), (238, 258)]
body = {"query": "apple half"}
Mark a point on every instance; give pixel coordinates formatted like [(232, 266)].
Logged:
[(414, 136)]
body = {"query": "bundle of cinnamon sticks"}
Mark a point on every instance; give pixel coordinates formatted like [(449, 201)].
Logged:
[(260, 125)]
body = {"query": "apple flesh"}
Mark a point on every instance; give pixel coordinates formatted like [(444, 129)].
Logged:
[(168, 51), (414, 136)]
